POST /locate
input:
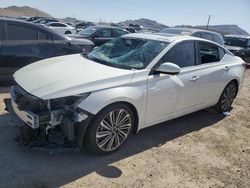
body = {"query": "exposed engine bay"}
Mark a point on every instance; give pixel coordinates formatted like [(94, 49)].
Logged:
[(55, 122)]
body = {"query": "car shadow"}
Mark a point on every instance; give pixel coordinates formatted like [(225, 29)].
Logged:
[(57, 167)]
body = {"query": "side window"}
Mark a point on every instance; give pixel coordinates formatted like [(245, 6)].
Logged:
[(104, 33), (248, 43), (209, 53), (182, 55), (42, 35), (197, 34), (57, 25), (16, 32), (1, 31), (118, 32), (207, 36)]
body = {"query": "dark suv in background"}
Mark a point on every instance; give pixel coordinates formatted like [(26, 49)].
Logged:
[(22, 43), (239, 45), (201, 33), (100, 34)]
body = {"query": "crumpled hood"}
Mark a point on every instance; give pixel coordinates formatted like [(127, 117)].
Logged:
[(69, 75), (234, 48)]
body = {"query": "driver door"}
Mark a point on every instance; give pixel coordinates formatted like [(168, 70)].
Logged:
[(171, 96)]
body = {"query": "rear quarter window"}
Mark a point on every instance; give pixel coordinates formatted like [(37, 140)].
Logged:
[(18, 32), (222, 53)]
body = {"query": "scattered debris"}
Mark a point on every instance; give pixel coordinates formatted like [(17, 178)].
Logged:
[(226, 113), (33, 139)]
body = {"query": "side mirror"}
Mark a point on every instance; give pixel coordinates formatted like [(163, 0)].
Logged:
[(169, 68)]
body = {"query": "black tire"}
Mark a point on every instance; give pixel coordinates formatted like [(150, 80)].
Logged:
[(227, 97), (68, 32), (91, 140)]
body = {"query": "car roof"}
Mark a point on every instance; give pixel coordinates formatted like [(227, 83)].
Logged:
[(160, 37), (191, 30), (239, 36), (29, 24), (108, 27)]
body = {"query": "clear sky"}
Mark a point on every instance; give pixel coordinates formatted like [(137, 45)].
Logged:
[(169, 12)]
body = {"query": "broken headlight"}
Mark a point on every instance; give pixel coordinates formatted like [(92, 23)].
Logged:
[(67, 101)]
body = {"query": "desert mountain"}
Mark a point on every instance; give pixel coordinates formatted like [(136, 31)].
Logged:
[(14, 11)]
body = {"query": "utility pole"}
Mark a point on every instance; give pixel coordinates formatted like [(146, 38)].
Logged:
[(208, 21)]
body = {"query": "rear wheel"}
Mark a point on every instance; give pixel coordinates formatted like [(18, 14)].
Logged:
[(110, 129), (227, 97)]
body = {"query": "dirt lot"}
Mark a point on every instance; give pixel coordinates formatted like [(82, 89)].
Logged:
[(199, 150)]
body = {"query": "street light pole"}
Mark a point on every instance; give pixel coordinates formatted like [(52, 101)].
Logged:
[(208, 21)]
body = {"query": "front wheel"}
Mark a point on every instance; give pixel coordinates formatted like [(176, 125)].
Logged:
[(227, 97), (110, 129)]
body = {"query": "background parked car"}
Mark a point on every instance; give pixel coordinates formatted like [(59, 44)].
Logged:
[(239, 45), (130, 29), (201, 33), (61, 28), (84, 25), (100, 34), (137, 27), (45, 20), (22, 43), (33, 18)]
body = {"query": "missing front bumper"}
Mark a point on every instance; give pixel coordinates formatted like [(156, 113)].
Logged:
[(31, 119)]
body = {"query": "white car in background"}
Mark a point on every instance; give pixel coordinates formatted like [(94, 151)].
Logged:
[(61, 28), (127, 84)]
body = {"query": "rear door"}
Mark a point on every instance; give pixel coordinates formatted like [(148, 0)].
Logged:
[(214, 72), (20, 47)]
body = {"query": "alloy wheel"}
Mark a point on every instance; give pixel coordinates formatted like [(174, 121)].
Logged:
[(113, 130), (228, 97)]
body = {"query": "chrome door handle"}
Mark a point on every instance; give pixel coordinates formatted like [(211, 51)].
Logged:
[(227, 68), (194, 78)]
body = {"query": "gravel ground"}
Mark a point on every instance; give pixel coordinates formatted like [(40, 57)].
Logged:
[(199, 150)]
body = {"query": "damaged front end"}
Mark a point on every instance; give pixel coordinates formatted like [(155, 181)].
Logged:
[(57, 120)]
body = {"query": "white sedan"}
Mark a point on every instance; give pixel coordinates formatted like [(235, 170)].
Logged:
[(61, 28), (127, 84)]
